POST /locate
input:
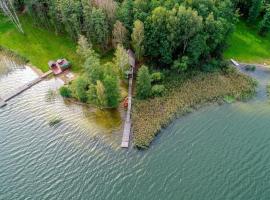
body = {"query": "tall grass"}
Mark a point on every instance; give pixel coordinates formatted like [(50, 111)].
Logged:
[(185, 92)]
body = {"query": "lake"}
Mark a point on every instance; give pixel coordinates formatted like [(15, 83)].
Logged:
[(217, 152)]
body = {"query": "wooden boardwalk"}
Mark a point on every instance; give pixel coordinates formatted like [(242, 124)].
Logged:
[(21, 89), (127, 126)]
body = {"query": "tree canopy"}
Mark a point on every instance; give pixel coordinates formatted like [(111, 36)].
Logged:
[(163, 31)]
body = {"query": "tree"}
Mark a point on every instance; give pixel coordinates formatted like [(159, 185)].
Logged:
[(254, 10), (83, 47), (265, 23), (137, 37), (143, 83), (109, 8), (100, 27), (121, 59), (112, 91), (81, 87), (101, 93), (126, 14), (169, 32), (87, 18), (93, 69), (120, 34)]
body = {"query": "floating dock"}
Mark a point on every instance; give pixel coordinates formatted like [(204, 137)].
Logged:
[(3, 100)]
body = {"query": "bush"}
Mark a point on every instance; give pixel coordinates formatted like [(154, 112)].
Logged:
[(229, 69), (250, 68), (65, 92), (229, 99), (158, 90), (181, 64), (143, 83), (156, 77), (213, 65)]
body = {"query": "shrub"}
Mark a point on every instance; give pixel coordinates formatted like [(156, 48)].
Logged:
[(212, 66), (65, 92), (250, 68), (158, 90), (229, 99), (143, 83), (181, 64), (229, 70), (156, 77)]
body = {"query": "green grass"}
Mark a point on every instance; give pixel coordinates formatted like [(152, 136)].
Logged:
[(245, 45), (37, 45)]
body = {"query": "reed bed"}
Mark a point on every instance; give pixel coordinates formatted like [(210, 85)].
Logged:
[(185, 92), (14, 55)]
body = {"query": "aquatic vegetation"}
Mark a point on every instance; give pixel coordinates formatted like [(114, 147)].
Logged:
[(229, 99), (55, 120), (51, 94), (268, 89), (250, 68), (185, 92), (17, 57)]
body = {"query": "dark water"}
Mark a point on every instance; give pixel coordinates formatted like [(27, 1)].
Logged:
[(218, 152)]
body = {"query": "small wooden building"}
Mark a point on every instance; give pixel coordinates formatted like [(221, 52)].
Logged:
[(59, 66)]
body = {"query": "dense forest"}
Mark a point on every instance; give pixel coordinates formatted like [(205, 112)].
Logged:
[(172, 35)]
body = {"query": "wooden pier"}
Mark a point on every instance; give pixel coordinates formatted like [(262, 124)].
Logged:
[(2, 103), (4, 99), (127, 126)]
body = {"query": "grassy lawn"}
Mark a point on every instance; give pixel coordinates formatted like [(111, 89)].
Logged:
[(38, 45), (246, 45)]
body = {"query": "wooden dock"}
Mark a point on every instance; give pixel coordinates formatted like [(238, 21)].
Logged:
[(2, 103), (127, 126), (4, 99)]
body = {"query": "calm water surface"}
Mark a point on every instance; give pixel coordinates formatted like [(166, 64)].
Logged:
[(218, 152)]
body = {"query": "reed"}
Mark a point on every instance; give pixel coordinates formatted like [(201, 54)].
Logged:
[(184, 93)]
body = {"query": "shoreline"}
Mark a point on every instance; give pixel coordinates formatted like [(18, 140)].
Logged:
[(151, 116)]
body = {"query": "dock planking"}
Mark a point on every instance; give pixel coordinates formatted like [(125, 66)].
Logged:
[(127, 126), (2, 103), (23, 88)]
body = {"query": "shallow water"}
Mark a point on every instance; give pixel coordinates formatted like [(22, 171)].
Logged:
[(218, 152)]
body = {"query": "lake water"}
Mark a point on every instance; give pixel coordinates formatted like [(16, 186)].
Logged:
[(218, 152)]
